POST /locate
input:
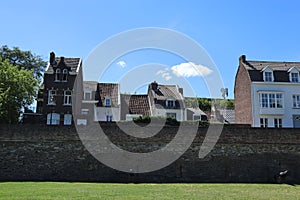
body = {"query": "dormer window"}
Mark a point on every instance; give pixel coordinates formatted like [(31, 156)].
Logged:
[(107, 102), (294, 77), (65, 75), (170, 103), (57, 74), (268, 76)]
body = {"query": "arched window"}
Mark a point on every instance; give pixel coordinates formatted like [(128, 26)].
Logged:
[(57, 74), (65, 75), (67, 97)]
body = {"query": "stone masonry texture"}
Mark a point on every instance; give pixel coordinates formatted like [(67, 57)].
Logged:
[(242, 154)]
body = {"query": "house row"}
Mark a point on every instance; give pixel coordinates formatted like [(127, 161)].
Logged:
[(63, 86), (266, 94)]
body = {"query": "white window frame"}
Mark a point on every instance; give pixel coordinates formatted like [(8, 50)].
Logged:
[(109, 118), (268, 76), (263, 121), (296, 100), (57, 74), (65, 75), (85, 111), (67, 119), (295, 78), (53, 119), (278, 122), (90, 95), (271, 99), (67, 98), (51, 97)]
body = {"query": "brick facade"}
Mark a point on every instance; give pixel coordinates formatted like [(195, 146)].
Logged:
[(242, 95)]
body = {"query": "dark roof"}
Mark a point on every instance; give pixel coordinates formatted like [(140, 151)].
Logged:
[(110, 90), (135, 104), (280, 69), (164, 92), (72, 63)]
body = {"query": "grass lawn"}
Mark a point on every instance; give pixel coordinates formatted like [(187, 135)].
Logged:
[(57, 190)]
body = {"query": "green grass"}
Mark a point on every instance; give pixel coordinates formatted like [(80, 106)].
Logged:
[(57, 190)]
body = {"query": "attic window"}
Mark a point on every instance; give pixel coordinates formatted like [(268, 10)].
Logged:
[(294, 77), (107, 102), (268, 76), (57, 74), (170, 103), (65, 75)]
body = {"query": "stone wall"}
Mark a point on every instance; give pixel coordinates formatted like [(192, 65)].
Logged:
[(242, 154)]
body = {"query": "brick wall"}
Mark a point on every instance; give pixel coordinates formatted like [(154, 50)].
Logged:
[(242, 96), (242, 154)]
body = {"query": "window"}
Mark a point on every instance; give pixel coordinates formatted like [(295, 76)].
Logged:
[(67, 119), (264, 100), (107, 102), (171, 115), (263, 122), (51, 97), (87, 96), (277, 122), (170, 103), (67, 97), (53, 119), (109, 118), (294, 77), (57, 74), (85, 111), (271, 100), (296, 101), (268, 76), (65, 75)]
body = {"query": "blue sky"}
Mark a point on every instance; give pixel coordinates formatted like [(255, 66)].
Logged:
[(262, 30)]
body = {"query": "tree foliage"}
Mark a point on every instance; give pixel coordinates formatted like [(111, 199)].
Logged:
[(17, 90), (24, 59), (204, 104)]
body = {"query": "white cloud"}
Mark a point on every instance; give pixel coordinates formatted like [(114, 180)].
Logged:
[(164, 73), (189, 69), (122, 63)]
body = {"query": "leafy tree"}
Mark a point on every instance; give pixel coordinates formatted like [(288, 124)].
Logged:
[(24, 59), (17, 90), (204, 104)]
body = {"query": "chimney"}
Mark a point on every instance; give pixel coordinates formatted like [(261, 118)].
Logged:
[(154, 86), (62, 59), (180, 91), (52, 58), (242, 58)]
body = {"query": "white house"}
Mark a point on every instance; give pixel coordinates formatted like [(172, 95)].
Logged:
[(267, 94)]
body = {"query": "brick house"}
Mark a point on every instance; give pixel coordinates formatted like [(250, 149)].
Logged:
[(267, 93), (55, 96)]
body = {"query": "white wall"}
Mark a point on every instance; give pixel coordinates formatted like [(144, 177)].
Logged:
[(102, 112), (286, 113), (180, 113)]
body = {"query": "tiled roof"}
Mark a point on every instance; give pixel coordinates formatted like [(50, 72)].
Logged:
[(163, 92), (135, 104), (110, 90), (280, 69), (71, 63), (196, 111)]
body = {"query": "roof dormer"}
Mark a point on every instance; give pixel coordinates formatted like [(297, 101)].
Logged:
[(294, 74), (268, 75)]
